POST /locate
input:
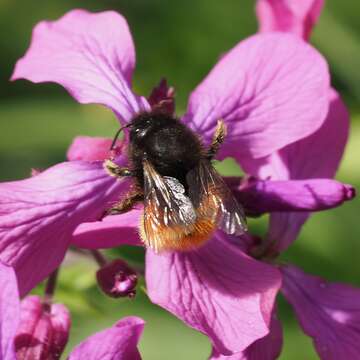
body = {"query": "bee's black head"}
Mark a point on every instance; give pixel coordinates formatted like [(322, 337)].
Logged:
[(165, 142), (145, 124)]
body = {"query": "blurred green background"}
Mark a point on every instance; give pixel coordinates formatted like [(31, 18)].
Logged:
[(180, 40)]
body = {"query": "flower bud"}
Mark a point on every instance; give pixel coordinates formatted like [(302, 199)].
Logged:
[(35, 172), (43, 330), (263, 196), (162, 99), (117, 279)]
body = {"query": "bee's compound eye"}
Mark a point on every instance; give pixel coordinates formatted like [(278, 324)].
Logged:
[(140, 133)]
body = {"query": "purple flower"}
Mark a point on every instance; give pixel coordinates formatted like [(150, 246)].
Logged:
[(34, 329), (38, 215), (324, 147), (328, 312), (264, 90)]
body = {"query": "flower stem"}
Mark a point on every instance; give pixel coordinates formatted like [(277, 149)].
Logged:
[(99, 257), (50, 289), (102, 261)]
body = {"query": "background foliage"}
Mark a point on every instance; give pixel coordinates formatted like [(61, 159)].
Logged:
[(180, 40)]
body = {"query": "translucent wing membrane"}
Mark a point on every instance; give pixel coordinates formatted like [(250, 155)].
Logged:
[(212, 198), (168, 213), (165, 195), (174, 221)]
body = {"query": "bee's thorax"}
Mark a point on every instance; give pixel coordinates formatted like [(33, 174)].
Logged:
[(171, 147)]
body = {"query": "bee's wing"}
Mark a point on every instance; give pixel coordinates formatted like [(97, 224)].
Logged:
[(166, 207), (209, 193)]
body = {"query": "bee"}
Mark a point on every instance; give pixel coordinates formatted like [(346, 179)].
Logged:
[(185, 198)]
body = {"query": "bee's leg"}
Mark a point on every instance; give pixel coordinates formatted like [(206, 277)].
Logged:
[(125, 204), (218, 139), (115, 170)]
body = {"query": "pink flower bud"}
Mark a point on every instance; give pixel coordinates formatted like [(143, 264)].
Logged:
[(43, 330), (117, 279), (262, 196), (35, 171)]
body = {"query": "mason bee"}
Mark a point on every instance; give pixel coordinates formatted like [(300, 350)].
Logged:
[(185, 199)]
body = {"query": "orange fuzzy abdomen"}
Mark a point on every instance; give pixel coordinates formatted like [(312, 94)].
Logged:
[(178, 238)]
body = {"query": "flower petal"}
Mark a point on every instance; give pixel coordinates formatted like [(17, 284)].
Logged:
[(297, 17), (284, 228), (328, 312), (89, 148), (116, 343), (9, 311), (264, 89), (267, 348), (112, 231), (325, 149), (217, 290), (261, 196), (38, 215), (91, 55)]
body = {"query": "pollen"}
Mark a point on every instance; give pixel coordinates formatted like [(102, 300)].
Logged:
[(110, 167)]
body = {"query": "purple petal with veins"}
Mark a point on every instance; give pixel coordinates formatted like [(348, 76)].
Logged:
[(255, 89), (38, 215), (91, 55), (217, 290), (114, 230), (92, 148), (267, 348), (325, 148), (327, 312), (9, 312), (116, 343)]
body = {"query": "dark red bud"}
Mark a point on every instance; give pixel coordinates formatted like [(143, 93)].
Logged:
[(43, 331), (117, 279), (162, 99)]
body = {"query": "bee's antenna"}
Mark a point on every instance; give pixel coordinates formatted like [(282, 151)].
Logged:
[(117, 135)]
